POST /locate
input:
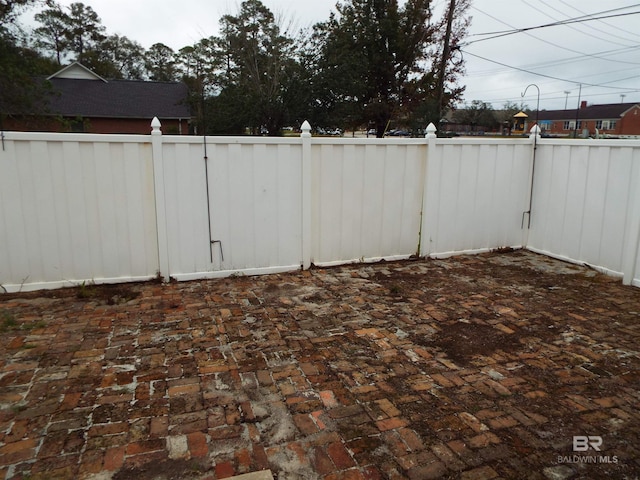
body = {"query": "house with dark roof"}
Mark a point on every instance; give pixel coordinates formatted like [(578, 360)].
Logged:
[(615, 119), (79, 100)]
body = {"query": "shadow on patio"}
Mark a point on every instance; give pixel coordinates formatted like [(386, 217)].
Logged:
[(473, 367)]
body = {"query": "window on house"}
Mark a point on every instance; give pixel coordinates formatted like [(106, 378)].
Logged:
[(579, 124), (612, 125), (567, 125), (599, 124)]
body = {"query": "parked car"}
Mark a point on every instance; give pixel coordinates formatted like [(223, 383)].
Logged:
[(329, 131), (398, 133)]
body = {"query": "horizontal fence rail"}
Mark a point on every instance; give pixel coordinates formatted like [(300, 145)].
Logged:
[(80, 208)]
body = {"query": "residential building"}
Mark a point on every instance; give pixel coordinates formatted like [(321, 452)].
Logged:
[(615, 119), (82, 101)]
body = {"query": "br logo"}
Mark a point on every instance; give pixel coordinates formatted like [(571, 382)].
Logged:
[(582, 443)]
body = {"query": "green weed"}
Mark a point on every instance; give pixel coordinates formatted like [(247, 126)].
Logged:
[(7, 321)]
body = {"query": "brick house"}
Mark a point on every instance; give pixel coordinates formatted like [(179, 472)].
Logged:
[(619, 119), (82, 101)]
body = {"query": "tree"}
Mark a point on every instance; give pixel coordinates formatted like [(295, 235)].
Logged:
[(257, 67), (447, 63), (372, 59), (52, 35), (84, 29), (161, 63), (76, 29), (509, 109), (117, 57), (20, 93), (479, 114), (11, 9), (197, 65)]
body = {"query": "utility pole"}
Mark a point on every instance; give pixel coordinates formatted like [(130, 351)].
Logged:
[(575, 131), (445, 58)]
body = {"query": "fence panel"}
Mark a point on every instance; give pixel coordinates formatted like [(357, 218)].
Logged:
[(477, 191), (75, 208), (586, 203), (366, 199), (254, 204)]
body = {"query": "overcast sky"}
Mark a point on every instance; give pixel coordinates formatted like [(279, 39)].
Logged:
[(603, 55)]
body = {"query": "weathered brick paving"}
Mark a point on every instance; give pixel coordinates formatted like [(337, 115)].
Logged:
[(473, 367)]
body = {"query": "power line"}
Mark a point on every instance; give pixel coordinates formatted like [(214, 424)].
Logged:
[(544, 41), (502, 101), (620, 80), (601, 21), (473, 74), (585, 17), (504, 33), (566, 61), (547, 76), (591, 27), (571, 26), (547, 99)]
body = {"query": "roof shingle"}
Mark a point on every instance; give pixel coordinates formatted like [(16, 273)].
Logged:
[(118, 99)]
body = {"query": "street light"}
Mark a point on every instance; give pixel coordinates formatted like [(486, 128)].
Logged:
[(566, 99), (537, 105)]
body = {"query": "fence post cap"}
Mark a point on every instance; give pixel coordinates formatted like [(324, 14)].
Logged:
[(155, 126), (535, 131), (431, 131), (306, 129)]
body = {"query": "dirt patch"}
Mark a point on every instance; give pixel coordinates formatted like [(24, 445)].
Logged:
[(464, 340), (107, 294), (461, 341), (164, 470)]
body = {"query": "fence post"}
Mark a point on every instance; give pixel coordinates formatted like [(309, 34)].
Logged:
[(305, 137), (430, 136), (160, 197)]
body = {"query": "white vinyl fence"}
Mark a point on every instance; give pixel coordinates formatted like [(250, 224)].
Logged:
[(110, 208), (586, 204), (75, 208), (366, 199), (476, 193)]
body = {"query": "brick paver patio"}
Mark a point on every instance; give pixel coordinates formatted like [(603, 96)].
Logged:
[(474, 367)]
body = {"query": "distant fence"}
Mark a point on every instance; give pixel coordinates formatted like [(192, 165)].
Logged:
[(110, 208)]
